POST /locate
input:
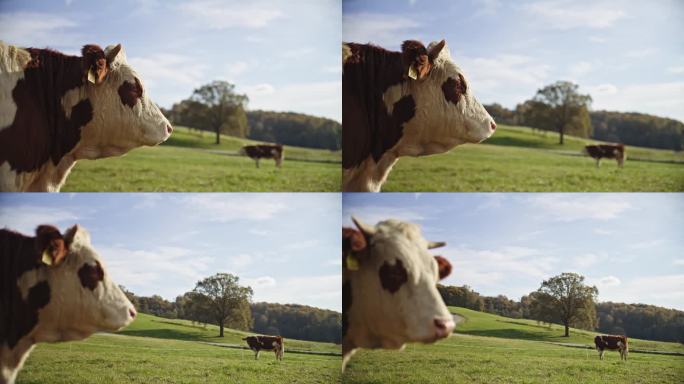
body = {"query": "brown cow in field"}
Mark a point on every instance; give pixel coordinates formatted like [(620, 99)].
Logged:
[(268, 151), (619, 343), (268, 343), (609, 151)]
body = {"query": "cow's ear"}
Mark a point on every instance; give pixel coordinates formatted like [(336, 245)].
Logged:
[(50, 244), (95, 64), (353, 245), (416, 60), (435, 244), (76, 236), (435, 49), (443, 266)]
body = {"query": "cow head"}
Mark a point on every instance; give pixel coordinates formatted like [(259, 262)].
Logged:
[(446, 110), (393, 282), (82, 296), (124, 117)]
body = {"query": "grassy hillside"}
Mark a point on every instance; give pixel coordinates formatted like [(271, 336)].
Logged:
[(171, 351), (518, 159), (189, 161), (492, 349)]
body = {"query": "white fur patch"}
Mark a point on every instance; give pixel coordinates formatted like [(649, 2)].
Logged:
[(28, 280), (13, 60)]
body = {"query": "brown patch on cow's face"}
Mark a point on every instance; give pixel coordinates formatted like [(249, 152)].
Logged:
[(454, 89), (443, 266), (130, 92), (392, 277), (91, 275)]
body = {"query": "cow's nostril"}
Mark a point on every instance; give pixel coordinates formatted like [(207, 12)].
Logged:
[(440, 324), (132, 312), (169, 129), (493, 125)]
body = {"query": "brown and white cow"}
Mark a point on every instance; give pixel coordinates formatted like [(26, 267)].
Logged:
[(415, 102), (389, 288), (268, 343), (609, 151), (56, 109), (264, 151), (54, 288), (613, 343)]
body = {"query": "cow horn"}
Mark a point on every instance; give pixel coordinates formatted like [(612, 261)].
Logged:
[(111, 55), (367, 230), (436, 49), (435, 244)]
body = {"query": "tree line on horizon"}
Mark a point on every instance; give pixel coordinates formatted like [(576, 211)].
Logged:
[(220, 300), (640, 321), (559, 107), (217, 107)]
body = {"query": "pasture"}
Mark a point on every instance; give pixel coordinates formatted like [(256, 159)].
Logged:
[(156, 350), (517, 159), (190, 161), (491, 349)]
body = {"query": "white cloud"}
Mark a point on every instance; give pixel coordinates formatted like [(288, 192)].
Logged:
[(487, 7), (648, 244), (39, 30), (261, 282), (224, 208), (241, 260), (585, 261), (567, 14), (598, 39), (318, 98), (25, 218), (160, 68), (603, 232), (602, 282), (590, 207), (381, 29), (237, 68), (641, 53), (601, 90), (666, 291), (662, 99), (678, 70), (304, 244), (678, 262), (503, 72), (166, 271), (317, 291), (581, 68), (373, 214), (216, 15)]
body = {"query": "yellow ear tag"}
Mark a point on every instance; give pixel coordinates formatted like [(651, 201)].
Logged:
[(91, 76), (412, 73), (352, 263), (47, 259)]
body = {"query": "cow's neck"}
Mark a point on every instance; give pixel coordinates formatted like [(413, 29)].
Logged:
[(50, 177), (369, 176), (11, 360)]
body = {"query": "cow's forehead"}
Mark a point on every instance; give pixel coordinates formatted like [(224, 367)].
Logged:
[(400, 240)]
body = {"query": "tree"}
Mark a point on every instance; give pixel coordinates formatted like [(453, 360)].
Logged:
[(559, 107), (566, 298), (226, 300), (221, 109)]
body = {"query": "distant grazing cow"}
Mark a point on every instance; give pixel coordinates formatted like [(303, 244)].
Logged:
[(56, 109), (268, 151), (415, 102), (268, 343), (389, 288), (619, 343), (54, 288), (609, 151)]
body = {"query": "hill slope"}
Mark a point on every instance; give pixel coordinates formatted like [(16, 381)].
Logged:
[(189, 161), (491, 349), (174, 351)]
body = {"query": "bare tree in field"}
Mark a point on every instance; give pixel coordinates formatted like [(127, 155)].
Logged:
[(560, 107), (225, 299), (567, 299)]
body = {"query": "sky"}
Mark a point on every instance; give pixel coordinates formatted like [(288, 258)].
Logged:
[(629, 245), (286, 246), (285, 55), (627, 54)]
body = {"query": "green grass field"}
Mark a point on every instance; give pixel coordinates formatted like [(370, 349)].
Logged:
[(516, 159), (492, 349), (156, 350), (189, 161)]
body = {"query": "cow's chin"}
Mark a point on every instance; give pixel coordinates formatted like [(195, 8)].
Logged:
[(477, 132), (155, 136)]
